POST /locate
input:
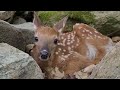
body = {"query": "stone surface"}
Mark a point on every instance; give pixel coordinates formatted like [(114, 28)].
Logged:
[(6, 14), (27, 29), (107, 22), (15, 64), (27, 25), (16, 35), (18, 20), (109, 67)]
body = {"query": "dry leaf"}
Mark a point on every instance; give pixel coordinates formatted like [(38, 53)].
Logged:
[(57, 74), (89, 69)]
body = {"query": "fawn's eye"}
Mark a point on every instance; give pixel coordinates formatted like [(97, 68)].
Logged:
[(36, 39), (55, 41)]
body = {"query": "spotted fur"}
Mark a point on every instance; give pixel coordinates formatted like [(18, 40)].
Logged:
[(74, 51)]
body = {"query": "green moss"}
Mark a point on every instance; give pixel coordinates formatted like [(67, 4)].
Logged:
[(51, 17), (82, 16)]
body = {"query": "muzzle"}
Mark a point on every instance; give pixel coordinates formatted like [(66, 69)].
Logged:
[(44, 54)]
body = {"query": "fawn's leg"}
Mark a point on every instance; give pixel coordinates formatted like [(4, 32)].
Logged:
[(75, 63)]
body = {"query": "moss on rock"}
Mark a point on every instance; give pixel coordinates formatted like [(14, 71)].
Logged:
[(108, 26), (51, 17), (105, 22), (82, 16)]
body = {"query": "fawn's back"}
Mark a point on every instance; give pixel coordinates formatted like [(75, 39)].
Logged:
[(71, 51)]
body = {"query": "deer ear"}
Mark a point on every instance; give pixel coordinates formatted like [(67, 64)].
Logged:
[(60, 25), (36, 21)]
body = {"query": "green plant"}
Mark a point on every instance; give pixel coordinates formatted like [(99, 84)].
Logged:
[(51, 17)]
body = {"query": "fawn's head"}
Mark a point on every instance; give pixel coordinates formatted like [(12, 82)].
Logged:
[(46, 38)]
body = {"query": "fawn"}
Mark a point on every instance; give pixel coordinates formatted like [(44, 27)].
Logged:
[(68, 52)]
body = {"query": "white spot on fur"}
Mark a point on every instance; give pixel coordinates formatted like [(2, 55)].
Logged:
[(56, 53), (88, 38), (77, 24), (68, 43), (64, 50), (89, 35), (96, 31), (63, 59), (73, 37), (71, 42), (68, 40), (83, 35), (87, 30), (78, 40), (69, 48), (83, 31), (59, 49), (91, 52), (68, 36), (77, 44), (99, 37), (59, 43), (62, 37), (64, 42), (79, 27), (95, 36), (74, 32), (90, 32), (72, 46)]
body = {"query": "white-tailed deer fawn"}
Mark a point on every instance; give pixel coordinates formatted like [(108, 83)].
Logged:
[(68, 52)]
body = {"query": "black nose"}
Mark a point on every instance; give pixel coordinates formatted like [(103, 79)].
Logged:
[(44, 54)]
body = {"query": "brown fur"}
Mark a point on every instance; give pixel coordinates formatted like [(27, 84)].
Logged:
[(69, 55)]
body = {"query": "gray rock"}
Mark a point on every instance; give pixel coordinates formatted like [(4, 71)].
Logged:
[(107, 22), (16, 35), (15, 64), (18, 20), (27, 25), (104, 14), (109, 67), (6, 14), (27, 29)]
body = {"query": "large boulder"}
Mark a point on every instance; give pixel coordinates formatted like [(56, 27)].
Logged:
[(109, 67), (27, 25), (4, 15), (107, 22), (15, 64), (27, 30), (16, 35), (18, 20)]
